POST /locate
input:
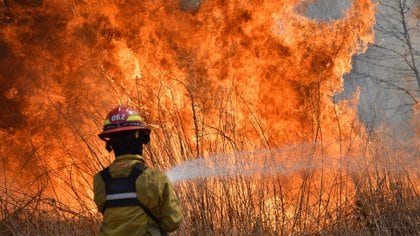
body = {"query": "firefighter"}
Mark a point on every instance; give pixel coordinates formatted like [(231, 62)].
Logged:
[(134, 199)]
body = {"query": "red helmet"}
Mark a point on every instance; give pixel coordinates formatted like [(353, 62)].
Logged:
[(123, 119)]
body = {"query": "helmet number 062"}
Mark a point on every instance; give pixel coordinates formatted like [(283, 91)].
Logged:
[(118, 117)]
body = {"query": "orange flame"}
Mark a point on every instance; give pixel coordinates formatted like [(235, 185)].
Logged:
[(260, 72)]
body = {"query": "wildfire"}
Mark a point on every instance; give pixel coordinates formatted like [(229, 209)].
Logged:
[(215, 76)]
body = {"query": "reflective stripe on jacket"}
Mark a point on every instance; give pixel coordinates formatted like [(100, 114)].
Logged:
[(154, 191)]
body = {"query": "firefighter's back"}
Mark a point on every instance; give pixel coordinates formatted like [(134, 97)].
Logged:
[(127, 221), (153, 190)]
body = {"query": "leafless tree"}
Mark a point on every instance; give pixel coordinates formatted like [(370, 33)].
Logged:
[(388, 73), (393, 61)]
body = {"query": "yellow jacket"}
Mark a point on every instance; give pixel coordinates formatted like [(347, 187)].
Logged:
[(154, 190)]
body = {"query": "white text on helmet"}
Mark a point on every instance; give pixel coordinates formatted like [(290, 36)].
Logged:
[(118, 117)]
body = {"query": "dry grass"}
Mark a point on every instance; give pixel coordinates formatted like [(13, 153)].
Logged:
[(366, 189), (376, 195), (36, 214)]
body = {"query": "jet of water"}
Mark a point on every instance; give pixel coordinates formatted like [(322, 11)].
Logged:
[(245, 163), (285, 161)]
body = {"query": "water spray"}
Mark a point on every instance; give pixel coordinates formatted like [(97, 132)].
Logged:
[(284, 161), (245, 163)]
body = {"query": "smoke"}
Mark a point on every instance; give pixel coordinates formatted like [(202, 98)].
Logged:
[(385, 75), (11, 116), (325, 10), (190, 5)]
